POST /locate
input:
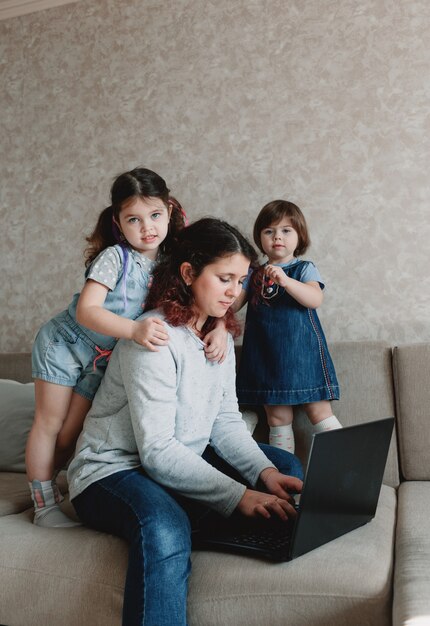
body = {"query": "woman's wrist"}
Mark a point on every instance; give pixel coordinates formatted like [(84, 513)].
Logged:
[(264, 476)]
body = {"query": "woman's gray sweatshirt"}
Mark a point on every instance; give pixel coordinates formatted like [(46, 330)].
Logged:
[(160, 410)]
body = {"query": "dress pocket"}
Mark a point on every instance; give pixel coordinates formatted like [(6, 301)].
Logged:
[(63, 334)]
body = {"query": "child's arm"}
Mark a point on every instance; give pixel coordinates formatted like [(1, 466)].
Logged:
[(216, 342), (307, 294), (90, 312)]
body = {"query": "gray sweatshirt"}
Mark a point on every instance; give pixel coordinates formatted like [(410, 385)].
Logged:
[(159, 410)]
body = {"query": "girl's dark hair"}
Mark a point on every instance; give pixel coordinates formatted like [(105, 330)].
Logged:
[(272, 213), (138, 183), (200, 244)]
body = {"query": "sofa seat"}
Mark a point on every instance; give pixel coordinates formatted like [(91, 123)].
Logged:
[(412, 577), (72, 570), (75, 576), (347, 581)]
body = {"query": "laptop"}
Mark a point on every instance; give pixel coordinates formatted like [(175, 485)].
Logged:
[(340, 493)]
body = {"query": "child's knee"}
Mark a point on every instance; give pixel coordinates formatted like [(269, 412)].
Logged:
[(47, 423)]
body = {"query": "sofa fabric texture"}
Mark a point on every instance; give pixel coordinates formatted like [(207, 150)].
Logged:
[(16, 418), (375, 575)]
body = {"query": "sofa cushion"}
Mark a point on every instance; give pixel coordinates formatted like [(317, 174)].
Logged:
[(411, 367), (64, 576), (347, 581), (364, 371), (16, 418), (16, 366), (14, 493), (412, 572)]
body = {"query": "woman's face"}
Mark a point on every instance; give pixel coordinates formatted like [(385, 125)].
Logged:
[(217, 287)]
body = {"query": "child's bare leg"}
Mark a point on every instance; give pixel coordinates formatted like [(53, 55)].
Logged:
[(71, 429), (280, 420), (52, 405), (320, 414)]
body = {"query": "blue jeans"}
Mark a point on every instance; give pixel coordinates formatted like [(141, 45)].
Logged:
[(157, 525)]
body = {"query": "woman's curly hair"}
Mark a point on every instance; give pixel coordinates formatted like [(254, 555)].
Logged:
[(199, 244)]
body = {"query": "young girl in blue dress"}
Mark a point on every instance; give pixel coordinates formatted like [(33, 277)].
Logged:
[(285, 360), (71, 351)]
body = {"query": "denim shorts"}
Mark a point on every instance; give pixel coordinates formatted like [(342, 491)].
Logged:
[(64, 355)]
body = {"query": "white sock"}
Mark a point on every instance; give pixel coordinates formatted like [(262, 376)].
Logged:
[(47, 513), (42, 493), (282, 437), (329, 423)]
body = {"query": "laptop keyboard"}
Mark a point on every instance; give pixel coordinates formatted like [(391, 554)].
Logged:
[(272, 539), (268, 538), (273, 544)]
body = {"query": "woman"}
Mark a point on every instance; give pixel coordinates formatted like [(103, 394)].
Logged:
[(142, 467)]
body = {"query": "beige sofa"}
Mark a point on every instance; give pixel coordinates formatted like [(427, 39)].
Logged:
[(376, 575)]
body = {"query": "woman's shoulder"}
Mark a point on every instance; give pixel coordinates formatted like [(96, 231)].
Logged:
[(175, 332)]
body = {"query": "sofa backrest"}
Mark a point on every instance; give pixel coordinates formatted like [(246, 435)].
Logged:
[(16, 366), (412, 388), (365, 375), (364, 371)]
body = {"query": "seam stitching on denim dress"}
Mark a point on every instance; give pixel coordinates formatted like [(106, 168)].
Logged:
[(323, 361)]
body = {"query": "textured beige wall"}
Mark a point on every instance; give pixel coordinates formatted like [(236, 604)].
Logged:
[(324, 102)]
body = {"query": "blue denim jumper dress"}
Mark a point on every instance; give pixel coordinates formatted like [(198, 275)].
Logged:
[(284, 359), (67, 353)]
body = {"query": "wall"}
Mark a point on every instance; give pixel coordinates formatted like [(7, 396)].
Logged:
[(323, 102)]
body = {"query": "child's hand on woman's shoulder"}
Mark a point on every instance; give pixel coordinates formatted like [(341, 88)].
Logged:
[(150, 332), (216, 343)]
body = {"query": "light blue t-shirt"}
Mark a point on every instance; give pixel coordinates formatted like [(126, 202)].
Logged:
[(125, 297)]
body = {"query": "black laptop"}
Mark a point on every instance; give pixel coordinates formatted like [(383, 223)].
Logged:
[(340, 493)]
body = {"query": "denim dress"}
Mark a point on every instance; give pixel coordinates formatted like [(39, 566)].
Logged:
[(67, 353), (284, 359)]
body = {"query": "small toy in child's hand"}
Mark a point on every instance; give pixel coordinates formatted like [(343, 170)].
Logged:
[(268, 288)]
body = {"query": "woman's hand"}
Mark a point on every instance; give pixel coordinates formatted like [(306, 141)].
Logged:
[(150, 332), (216, 343), (259, 504), (279, 484)]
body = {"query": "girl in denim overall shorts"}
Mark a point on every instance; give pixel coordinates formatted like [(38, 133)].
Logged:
[(71, 351), (285, 360)]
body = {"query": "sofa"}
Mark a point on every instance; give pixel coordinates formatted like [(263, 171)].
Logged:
[(376, 575)]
